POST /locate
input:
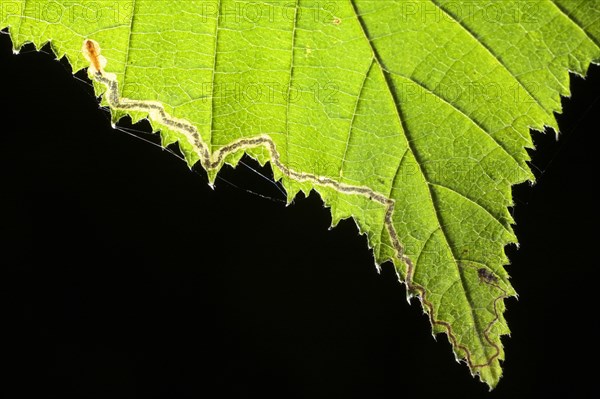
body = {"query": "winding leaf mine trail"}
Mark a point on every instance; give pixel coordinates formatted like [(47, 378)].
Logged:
[(213, 161)]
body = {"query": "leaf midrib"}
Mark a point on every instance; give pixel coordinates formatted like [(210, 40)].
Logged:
[(390, 87)]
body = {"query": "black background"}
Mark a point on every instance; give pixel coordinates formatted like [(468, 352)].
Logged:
[(123, 275)]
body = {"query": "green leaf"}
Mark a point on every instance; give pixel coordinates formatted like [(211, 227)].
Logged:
[(412, 117)]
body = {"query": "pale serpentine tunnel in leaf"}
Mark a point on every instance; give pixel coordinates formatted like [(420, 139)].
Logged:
[(412, 117)]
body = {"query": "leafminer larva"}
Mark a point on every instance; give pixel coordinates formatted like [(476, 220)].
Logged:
[(91, 52)]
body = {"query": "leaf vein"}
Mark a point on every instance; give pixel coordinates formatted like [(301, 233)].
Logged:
[(576, 23), (489, 50), (129, 38), (289, 89), (473, 202), (212, 97), (390, 87)]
